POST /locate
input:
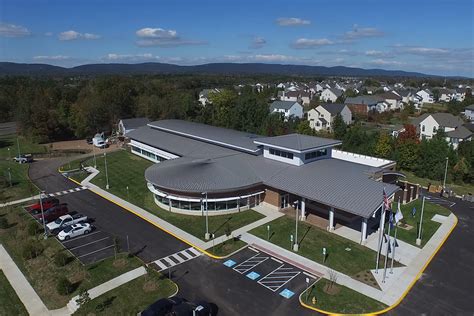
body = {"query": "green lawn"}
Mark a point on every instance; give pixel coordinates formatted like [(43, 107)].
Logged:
[(10, 303), (429, 226), (312, 240), (458, 188), (42, 272), (124, 299), (21, 186), (344, 301), (126, 180)]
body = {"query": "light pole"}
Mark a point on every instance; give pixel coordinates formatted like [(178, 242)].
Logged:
[(206, 235), (268, 232), (106, 172), (10, 176), (445, 173), (95, 161), (42, 214), (18, 145), (295, 245), (418, 240), (9, 157)]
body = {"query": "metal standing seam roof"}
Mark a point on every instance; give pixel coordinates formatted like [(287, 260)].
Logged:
[(286, 105), (206, 167), (133, 123), (297, 142), (225, 137)]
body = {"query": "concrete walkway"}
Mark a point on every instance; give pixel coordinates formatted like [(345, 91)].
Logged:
[(270, 215), (33, 303), (36, 197)]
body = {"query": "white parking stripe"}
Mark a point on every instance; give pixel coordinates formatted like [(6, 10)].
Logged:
[(170, 261), (278, 277), (90, 253), (90, 243)]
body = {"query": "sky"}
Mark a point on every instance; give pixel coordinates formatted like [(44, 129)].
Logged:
[(434, 37)]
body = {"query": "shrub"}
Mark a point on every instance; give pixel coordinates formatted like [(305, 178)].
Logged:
[(3, 223), (61, 259), (64, 286), (31, 251), (32, 229)]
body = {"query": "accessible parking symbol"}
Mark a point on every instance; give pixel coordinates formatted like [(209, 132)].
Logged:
[(253, 275)]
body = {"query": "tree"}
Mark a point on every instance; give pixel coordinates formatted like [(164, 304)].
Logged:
[(304, 128), (407, 154), (432, 158), (461, 170), (83, 297), (339, 127), (409, 134), (383, 148)]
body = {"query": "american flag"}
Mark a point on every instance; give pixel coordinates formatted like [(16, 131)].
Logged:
[(386, 203)]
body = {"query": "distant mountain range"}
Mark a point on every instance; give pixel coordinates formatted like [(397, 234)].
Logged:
[(14, 69)]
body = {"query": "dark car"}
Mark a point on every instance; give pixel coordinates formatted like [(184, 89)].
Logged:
[(162, 307), (51, 214), (47, 203)]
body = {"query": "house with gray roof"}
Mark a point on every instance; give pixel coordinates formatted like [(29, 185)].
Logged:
[(204, 95), (330, 94), (201, 167), (322, 117), (469, 112), (287, 108)]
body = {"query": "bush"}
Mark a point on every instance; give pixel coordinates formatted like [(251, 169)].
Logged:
[(31, 251), (32, 229), (3, 223), (61, 259), (64, 286)]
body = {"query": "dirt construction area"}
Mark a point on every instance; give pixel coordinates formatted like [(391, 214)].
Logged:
[(78, 145)]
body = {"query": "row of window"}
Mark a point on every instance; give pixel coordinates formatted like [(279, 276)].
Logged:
[(281, 153), (211, 206), (147, 153), (316, 154)]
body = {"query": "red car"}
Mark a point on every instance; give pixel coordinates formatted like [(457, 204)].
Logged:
[(51, 214), (47, 204)]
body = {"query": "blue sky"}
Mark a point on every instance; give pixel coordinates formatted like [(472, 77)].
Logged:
[(434, 37)]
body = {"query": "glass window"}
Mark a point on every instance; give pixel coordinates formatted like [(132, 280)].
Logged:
[(232, 204)]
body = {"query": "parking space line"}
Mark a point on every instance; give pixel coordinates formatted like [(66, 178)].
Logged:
[(250, 263), (276, 260), (90, 243), (253, 249), (77, 238), (90, 253), (310, 275), (278, 278)]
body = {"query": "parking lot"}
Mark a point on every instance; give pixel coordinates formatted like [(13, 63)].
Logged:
[(90, 248), (275, 275)]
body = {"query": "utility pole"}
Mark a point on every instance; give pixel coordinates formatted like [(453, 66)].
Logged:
[(95, 160), (10, 177), (445, 174), (106, 172), (295, 245), (42, 214), (18, 145)]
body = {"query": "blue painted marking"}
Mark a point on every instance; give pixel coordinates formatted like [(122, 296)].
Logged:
[(253, 275), (229, 263), (286, 293)]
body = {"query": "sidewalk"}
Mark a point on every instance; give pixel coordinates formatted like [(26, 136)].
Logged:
[(36, 197), (176, 231), (33, 303)]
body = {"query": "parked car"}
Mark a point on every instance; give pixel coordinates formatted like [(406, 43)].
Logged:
[(51, 214), (75, 230), (176, 306), (47, 203), (162, 307), (24, 158), (63, 221)]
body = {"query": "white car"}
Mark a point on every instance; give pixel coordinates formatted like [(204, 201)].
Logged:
[(74, 231)]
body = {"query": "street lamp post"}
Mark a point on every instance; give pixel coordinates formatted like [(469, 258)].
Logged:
[(445, 174), (95, 160), (418, 240), (206, 235), (18, 145), (9, 157), (106, 172), (295, 245), (42, 214)]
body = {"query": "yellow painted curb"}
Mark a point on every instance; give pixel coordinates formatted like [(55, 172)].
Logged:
[(404, 293), (154, 224)]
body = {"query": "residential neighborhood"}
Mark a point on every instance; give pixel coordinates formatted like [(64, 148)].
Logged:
[(236, 158)]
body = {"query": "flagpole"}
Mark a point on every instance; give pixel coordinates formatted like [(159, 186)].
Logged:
[(386, 255), (381, 228), (395, 238)]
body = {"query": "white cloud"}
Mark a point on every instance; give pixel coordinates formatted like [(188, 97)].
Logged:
[(162, 38), (383, 62), (311, 43), (362, 32), (258, 42), (49, 58), (422, 51), (12, 30), (129, 57), (292, 21), (73, 35)]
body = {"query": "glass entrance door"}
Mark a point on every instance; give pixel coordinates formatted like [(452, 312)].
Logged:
[(284, 200)]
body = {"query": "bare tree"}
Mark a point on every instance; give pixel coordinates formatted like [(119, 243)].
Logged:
[(332, 277)]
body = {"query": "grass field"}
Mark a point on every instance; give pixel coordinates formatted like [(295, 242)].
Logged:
[(10, 304), (343, 301), (343, 255), (125, 300), (20, 186), (458, 188), (429, 226), (126, 180), (42, 272)]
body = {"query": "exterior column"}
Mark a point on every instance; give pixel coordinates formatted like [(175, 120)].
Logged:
[(303, 209), (363, 231), (331, 219)]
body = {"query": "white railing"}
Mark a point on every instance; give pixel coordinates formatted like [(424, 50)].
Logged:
[(361, 159)]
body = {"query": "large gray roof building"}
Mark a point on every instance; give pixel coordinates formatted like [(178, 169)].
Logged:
[(236, 169)]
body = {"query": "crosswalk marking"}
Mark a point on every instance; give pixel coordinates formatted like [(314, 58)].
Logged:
[(64, 192), (176, 258)]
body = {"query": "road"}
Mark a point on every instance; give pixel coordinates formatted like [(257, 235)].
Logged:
[(201, 278)]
